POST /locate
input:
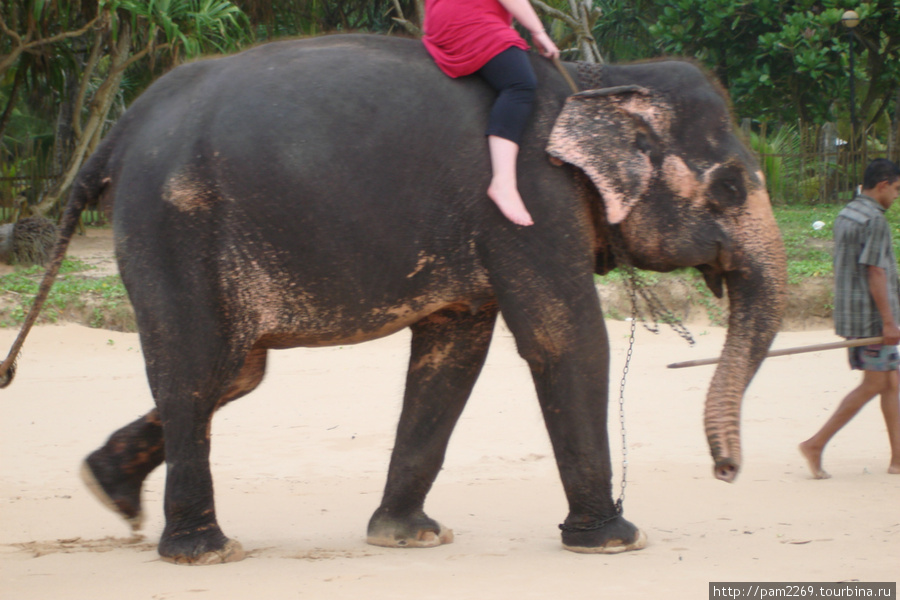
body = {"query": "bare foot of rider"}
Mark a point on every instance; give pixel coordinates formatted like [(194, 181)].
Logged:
[(813, 456), (508, 200), (504, 189)]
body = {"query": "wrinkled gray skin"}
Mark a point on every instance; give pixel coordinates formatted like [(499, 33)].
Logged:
[(331, 191)]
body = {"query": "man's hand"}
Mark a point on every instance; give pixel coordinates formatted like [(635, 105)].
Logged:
[(879, 290), (891, 334)]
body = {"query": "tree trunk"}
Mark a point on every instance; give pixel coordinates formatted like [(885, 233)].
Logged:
[(99, 108), (895, 130), (6, 242), (581, 21), (11, 102), (415, 28), (64, 139)]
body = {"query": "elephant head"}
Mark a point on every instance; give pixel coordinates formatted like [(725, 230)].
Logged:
[(680, 189)]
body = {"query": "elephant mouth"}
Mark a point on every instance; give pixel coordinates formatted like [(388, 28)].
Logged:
[(714, 278)]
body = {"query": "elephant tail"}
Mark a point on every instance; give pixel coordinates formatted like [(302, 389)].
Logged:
[(86, 189)]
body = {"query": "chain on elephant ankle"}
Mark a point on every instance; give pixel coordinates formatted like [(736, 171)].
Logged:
[(593, 525)]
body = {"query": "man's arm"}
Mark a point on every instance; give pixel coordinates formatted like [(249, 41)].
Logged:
[(879, 289)]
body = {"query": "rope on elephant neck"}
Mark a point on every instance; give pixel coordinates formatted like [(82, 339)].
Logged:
[(590, 75)]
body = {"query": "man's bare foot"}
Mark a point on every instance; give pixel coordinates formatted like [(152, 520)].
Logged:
[(510, 203), (894, 469), (813, 458)]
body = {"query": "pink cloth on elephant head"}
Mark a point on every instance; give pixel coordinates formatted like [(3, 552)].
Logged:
[(463, 35)]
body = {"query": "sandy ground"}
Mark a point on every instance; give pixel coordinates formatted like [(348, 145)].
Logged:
[(299, 467)]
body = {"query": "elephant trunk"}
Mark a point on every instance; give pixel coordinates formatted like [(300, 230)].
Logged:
[(757, 297)]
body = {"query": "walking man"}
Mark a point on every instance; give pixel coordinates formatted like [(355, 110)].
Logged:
[(866, 304)]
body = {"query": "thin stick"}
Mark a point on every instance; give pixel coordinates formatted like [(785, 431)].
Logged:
[(786, 351), (566, 76)]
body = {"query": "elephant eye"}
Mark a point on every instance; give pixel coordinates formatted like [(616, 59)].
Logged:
[(642, 141), (727, 189)]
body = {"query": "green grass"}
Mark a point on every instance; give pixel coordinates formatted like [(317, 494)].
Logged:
[(101, 301), (809, 251)]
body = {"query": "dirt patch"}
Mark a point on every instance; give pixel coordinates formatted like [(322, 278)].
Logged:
[(96, 249), (809, 303), (300, 465), (77, 544)]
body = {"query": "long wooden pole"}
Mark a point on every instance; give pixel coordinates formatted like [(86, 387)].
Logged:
[(786, 351)]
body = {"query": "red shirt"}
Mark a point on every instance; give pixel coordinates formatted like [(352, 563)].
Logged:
[(463, 35)]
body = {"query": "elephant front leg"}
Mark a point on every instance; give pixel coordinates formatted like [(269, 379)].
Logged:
[(569, 360), (448, 351), (573, 400)]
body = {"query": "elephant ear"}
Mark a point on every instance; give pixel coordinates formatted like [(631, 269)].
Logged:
[(608, 134)]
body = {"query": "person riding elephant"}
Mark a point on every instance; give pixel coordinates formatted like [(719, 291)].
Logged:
[(465, 37)]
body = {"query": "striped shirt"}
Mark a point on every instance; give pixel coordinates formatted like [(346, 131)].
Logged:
[(862, 238)]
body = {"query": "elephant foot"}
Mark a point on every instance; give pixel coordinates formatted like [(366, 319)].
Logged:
[(416, 531), (207, 547), (613, 537), (115, 472), (122, 496)]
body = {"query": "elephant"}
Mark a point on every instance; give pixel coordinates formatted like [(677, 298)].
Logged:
[(332, 190)]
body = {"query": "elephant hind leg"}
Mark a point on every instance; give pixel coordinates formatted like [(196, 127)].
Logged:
[(115, 472), (248, 378), (188, 392)]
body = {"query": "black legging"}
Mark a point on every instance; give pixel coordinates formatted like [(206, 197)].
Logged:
[(511, 76)]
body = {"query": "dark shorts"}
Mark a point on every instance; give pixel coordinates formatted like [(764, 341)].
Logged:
[(511, 76), (876, 357)]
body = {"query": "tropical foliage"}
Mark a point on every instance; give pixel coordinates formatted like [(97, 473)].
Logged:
[(66, 71), (785, 61), (69, 69)]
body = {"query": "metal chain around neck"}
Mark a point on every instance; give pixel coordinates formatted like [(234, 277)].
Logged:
[(656, 309), (658, 312)]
